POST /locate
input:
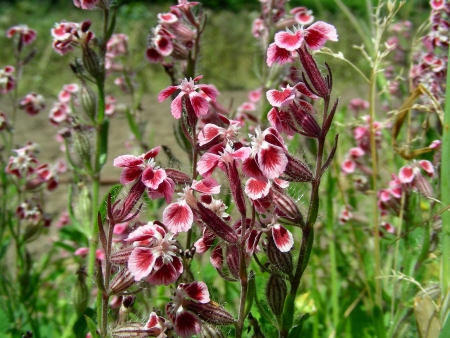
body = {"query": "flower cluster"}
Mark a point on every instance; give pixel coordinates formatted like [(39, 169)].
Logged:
[(430, 63), (174, 35), (67, 35)]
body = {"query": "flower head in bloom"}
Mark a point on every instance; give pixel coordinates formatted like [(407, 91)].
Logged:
[(187, 323), (178, 216), (32, 103), (190, 305), (26, 34), (267, 159), (411, 176), (7, 80), (315, 37), (91, 4), (144, 168), (66, 35), (154, 255), (23, 164), (188, 90)]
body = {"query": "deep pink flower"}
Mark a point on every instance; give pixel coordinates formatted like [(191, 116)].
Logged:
[(26, 34), (154, 256), (315, 37), (213, 134), (188, 90), (60, 113), (68, 92), (302, 15), (32, 103), (7, 80)]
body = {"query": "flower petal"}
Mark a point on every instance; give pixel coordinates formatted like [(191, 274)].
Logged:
[(153, 178), (209, 132), (140, 262), (277, 54), (197, 291), (187, 324), (127, 161), (178, 217), (167, 273), (406, 174), (289, 41), (128, 175), (207, 186), (208, 162), (271, 160), (199, 104), (282, 237), (318, 33), (164, 94), (256, 189)]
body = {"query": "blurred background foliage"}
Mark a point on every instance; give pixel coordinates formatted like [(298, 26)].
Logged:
[(229, 51)]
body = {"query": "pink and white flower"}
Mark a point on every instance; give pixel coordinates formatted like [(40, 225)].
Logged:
[(33, 103), (144, 168), (7, 79), (26, 34), (188, 90), (315, 37), (154, 256), (178, 216)]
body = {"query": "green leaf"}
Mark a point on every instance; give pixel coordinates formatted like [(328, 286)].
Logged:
[(92, 327), (445, 332), (378, 322), (133, 126), (251, 288), (296, 331), (114, 191)]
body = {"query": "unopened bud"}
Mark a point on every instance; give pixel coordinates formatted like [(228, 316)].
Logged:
[(212, 313), (122, 281), (297, 171), (233, 260), (88, 101), (282, 261), (32, 231), (209, 331), (80, 294), (132, 329), (315, 77), (276, 292)]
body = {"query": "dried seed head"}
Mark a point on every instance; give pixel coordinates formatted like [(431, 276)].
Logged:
[(276, 292)]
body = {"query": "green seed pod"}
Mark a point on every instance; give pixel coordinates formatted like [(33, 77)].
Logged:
[(82, 146), (88, 101), (80, 294), (91, 62), (276, 292)]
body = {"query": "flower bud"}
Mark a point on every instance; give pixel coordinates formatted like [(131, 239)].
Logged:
[(88, 101), (297, 171), (315, 77), (211, 312), (216, 224), (209, 331), (32, 231), (233, 260), (178, 177), (276, 292), (80, 294), (282, 261), (121, 257), (133, 329), (122, 281)]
